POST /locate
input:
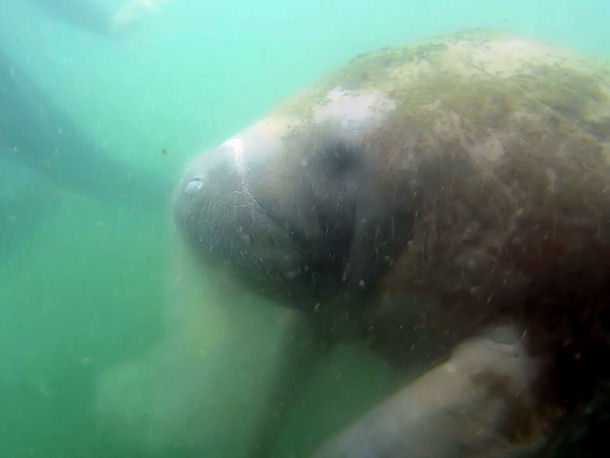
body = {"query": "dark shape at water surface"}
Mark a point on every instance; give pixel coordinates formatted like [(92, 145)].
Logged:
[(449, 204), (36, 134), (85, 14)]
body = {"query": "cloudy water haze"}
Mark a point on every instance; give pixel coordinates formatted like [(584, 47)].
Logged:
[(113, 341)]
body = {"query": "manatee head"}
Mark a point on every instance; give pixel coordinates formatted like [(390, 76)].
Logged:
[(302, 211), (470, 169)]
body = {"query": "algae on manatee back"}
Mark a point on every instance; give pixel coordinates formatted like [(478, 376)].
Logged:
[(445, 201)]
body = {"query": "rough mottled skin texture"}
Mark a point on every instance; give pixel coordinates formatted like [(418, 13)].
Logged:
[(420, 196)]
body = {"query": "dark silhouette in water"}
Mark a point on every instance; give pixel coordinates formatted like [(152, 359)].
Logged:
[(25, 199), (38, 135), (81, 13), (42, 145), (89, 15)]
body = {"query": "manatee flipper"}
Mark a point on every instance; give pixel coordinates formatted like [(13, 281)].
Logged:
[(301, 347), (477, 403)]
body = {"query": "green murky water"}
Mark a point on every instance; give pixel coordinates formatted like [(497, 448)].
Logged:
[(112, 343)]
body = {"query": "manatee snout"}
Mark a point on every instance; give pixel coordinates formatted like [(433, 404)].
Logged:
[(231, 225), (211, 190)]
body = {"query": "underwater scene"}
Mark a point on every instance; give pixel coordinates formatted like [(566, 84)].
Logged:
[(319, 228)]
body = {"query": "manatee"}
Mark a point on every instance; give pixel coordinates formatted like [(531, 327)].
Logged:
[(448, 203)]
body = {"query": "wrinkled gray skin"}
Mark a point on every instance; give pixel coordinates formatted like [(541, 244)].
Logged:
[(447, 203), (298, 247)]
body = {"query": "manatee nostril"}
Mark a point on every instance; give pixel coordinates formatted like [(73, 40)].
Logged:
[(193, 186)]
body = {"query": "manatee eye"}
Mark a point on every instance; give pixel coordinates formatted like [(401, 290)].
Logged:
[(193, 186), (337, 157)]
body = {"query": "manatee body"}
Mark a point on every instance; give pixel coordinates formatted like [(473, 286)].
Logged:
[(437, 200)]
